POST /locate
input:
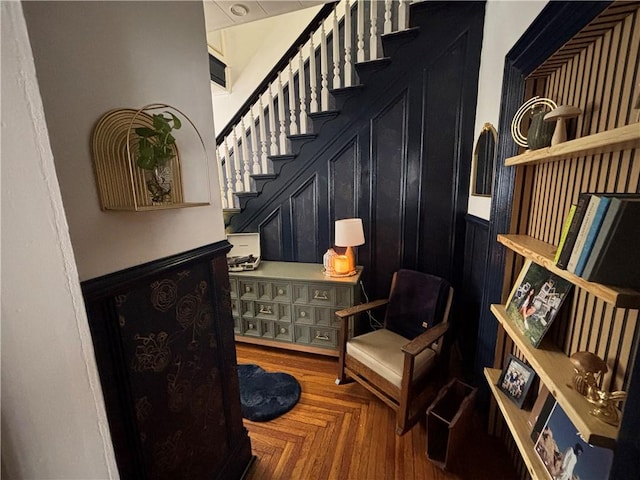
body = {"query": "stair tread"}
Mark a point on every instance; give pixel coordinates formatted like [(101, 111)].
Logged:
[(325, 113), (407, 32), (302, 136), (282, 157), (265, 176), (246, 194), (372, 64), (346, 90)]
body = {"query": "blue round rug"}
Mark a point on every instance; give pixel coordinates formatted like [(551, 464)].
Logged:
[(264, 395)]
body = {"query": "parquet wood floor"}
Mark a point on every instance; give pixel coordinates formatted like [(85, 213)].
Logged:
[(342, 432)]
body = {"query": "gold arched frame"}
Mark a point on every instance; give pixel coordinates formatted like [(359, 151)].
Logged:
[(483, 164)]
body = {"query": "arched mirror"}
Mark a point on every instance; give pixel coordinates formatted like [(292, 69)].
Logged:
[(483, 161)]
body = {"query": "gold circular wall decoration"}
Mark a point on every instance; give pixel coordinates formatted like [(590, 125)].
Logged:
[(523, 113)]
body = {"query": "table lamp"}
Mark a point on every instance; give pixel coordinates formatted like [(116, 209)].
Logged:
[(349, 233)]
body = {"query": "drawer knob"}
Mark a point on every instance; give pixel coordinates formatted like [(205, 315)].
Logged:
[(247, 288), (303, 313), (283, 330), (320, 296), (266, 309), (322, 336), (251, 326), (280, 291)]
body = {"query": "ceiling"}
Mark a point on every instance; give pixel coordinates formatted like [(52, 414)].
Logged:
[(218, 14)]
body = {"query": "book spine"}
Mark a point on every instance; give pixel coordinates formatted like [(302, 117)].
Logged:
[(581, 238), (593, 232), (602, 239), (565, 232), (581, 206)]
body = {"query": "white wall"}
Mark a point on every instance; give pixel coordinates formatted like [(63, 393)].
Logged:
[(53, 419), (251, 51), (92, 57), (504, 24)]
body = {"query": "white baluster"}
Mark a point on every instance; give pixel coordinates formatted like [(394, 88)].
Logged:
[(239, 186), (373, 31), (293, 125), (272, 123), (360, 30), (302, 91), (324, 91), (313, 105), (229, 175), (254, 143), (223, 188), (402, 14), (263, 139), (347, 43), (281, 118), (245, 157), (387, 16), (336, 50)]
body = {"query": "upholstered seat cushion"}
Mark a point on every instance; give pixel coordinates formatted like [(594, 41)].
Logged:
[(380, 350)]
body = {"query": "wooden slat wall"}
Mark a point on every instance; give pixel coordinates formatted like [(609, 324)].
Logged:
[(598, 71)]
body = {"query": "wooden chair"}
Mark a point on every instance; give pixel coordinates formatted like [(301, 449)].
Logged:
[(399, 363)]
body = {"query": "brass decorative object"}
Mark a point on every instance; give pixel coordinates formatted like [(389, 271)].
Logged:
[(605, 405), (589, 369), (122, 185)]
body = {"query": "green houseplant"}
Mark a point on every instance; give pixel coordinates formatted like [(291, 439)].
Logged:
[(156, 149)]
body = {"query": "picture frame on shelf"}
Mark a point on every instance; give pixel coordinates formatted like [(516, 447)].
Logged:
[(516, 380), (535, 300), (565, 455), (540, 412)]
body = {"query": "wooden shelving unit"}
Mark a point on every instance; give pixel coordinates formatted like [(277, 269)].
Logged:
[(616, 139), (542, 253), (542, 185), (556, 372), (516, 420)]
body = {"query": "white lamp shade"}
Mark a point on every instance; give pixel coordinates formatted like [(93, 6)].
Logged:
[(349, 232)]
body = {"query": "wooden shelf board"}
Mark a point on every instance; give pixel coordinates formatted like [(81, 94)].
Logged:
[(556, 372), (169, 206), (542, 253), (516, 419), (620, 138)]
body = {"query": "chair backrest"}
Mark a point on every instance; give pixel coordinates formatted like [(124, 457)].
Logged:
[(417, 301)]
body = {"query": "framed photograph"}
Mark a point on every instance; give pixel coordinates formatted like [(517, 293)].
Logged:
[(535, 300), (536, 410), (566, 455), (516, 379)]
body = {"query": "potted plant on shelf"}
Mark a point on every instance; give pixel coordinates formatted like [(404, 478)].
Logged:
[(156, 150)]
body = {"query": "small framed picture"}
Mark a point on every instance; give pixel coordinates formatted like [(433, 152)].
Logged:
[(516, 379)]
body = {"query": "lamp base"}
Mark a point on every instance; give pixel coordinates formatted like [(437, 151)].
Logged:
[(333, 274)]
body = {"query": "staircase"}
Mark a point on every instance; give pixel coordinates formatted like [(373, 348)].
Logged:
[(330, 63), (379, 125)]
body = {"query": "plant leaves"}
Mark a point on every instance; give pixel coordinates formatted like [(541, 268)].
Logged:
[(176, 121), (145, 132)]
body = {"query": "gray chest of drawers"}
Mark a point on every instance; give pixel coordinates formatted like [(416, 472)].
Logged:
[(291, 305)]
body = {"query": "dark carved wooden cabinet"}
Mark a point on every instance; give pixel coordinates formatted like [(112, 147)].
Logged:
[(163, 337)]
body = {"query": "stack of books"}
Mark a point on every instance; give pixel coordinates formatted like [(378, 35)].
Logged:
[(600, 239)]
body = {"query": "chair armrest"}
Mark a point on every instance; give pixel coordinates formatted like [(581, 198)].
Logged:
[(426, 339), (348, 312)]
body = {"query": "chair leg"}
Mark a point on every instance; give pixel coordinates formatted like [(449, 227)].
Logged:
[(342, 375)]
